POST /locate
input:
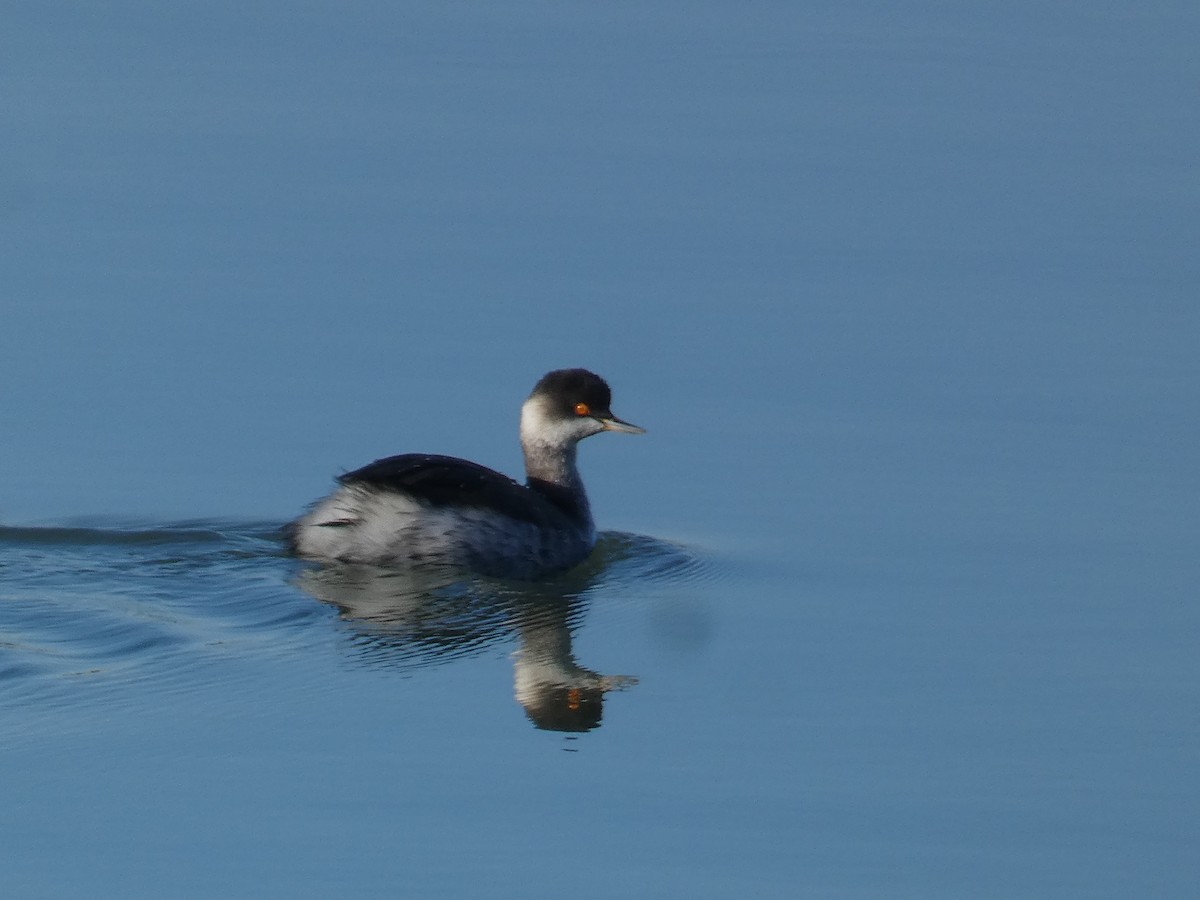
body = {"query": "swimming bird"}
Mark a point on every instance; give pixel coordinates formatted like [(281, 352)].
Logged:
[(419, 509)]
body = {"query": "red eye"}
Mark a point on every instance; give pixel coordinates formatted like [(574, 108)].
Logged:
[(582, 409)]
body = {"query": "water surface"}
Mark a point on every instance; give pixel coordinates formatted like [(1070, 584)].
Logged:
[(896, 597)]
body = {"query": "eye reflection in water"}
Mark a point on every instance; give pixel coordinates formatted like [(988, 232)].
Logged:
[(422, 617)]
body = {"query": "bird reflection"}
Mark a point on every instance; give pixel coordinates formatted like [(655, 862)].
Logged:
[(558, 694), (415, 617)]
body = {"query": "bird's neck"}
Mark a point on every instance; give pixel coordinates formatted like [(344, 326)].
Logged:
[(551, 471)]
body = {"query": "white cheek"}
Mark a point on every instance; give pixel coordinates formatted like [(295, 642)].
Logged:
[(540, 426)]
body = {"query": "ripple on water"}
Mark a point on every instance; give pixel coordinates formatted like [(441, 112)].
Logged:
[(422, 618), (119, 603), (109, 604), (643, 562)]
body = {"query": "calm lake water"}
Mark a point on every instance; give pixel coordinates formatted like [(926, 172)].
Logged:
[(897, 597)]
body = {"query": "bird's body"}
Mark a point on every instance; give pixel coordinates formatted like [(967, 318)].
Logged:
[(420, 509)]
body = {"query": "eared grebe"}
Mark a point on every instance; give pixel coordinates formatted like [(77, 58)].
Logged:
[(417, 509)]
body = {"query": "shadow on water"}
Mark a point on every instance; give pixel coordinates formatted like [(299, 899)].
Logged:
[(421, 618)]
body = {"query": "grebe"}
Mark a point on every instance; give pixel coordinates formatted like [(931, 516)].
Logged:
[(419, 510)]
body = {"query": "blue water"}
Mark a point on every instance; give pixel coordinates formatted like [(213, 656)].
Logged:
[(897, 597)]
